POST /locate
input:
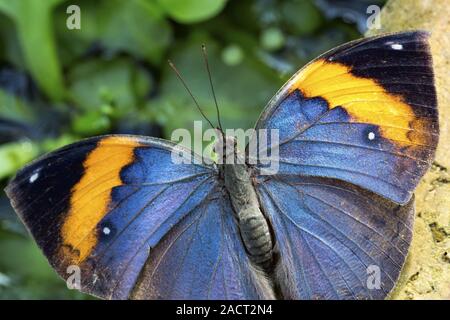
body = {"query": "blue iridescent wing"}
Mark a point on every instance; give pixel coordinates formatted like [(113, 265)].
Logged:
[(335, 240), (365, 113), (203, 258), (358, 129), (106, 205)]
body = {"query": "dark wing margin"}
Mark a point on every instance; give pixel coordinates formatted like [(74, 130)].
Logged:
[(112, 207), (365, 113)]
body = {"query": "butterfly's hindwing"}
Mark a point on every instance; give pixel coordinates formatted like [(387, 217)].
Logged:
[(203, 257), (335, 240)]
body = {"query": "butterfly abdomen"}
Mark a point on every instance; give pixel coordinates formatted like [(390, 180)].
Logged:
[(254, 227)]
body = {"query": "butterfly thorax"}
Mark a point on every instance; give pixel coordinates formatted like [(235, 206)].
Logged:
[(253, 225)]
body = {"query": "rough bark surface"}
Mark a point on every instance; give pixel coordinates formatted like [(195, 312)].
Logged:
[(426, 274)]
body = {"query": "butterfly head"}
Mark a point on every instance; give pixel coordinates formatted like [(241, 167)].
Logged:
[(226, 148), (225, 145)]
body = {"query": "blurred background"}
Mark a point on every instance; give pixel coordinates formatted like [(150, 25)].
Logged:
[(65, 76)]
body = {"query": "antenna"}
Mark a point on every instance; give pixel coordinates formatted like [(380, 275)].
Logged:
[(205, 57), (189, 91)]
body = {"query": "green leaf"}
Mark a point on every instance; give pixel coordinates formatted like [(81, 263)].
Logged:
[(301, 17), (191, 11), (34, 27), (51, 144), (14, 108), (10, 46), (15, 155), (74, 43), (242, 91), (272, 39), (134, 26), (119, 83), (28, 274), (232, 55), (91, 123)]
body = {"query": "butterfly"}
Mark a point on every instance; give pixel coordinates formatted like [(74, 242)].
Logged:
[(358, 128)]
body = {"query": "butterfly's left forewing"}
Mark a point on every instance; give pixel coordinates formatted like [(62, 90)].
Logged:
[(103, 208)]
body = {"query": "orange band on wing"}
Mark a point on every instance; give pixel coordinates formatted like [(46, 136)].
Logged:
[(92, 194), (364, 100)]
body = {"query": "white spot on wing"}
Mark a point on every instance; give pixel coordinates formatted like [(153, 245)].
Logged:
[(396, 46), (371, 136), (34, 177), (94, 278), (106, 230)]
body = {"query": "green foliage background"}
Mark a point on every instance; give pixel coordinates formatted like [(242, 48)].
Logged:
[(59, 85)]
